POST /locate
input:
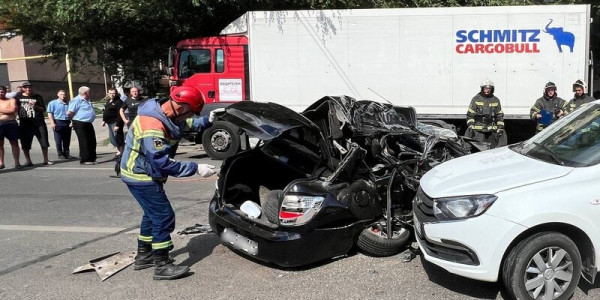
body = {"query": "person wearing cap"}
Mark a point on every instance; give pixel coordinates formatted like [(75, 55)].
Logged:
[(580, 97), (147, 161), (485, 118), (82, 113), (548, 108), (32, 123)]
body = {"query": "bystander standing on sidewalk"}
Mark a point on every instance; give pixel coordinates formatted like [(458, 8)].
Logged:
[(130, 106), (9, 128), (32, 123), (112, 118), (82, 114), (60, 124)]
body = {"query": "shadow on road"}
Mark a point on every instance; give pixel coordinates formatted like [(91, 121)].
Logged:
[(465, 286), (197, 248), (586, 287)]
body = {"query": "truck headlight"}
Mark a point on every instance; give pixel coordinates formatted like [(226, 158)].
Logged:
[(299, 209), (462, 207)]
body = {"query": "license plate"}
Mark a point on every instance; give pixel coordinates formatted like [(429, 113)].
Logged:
[(417, 226), (239, 242)]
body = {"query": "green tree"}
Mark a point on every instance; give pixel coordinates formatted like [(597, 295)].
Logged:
[(135, 35)]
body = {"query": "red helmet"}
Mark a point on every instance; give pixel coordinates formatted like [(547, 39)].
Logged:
[(190, 95)]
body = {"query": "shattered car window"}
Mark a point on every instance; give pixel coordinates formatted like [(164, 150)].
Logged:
[(437, 131), (373, 116)]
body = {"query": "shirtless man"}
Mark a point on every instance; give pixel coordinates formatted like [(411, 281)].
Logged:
[(9, 127)]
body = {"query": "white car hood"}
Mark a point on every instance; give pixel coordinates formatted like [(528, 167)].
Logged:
[(487, 172)]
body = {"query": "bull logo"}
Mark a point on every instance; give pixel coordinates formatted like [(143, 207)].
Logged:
[(560, 36)]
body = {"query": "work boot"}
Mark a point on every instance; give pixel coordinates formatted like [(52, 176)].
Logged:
[(144, 259), (166, 270)]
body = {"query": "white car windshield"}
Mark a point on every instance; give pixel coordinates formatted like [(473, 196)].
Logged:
[(572, 141)]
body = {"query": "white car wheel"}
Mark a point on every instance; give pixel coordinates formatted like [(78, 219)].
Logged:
[(546, 265)]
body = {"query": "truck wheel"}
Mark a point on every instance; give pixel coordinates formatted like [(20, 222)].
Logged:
[(546, 265), (374, 242), (221, 140)]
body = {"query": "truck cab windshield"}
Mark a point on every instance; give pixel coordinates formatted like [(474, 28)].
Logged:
[(573, 141), (194, 61)]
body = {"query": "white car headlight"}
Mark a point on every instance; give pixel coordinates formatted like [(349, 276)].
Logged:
[(462, 207)]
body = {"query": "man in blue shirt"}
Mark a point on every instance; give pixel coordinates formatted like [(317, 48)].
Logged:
[(81, 112), (60, 124)]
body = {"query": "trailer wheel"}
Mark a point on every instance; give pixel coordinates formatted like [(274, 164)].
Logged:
[(374, 242), (221, 140)]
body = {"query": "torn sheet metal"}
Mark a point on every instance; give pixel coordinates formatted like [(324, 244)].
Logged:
[(108, 265), (196, 229)]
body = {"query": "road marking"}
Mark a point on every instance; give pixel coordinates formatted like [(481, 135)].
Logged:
[(61, 229)]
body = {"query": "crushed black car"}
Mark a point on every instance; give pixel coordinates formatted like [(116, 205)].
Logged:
[(340, 174)]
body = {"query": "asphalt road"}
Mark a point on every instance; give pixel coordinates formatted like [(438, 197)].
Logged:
[(56, 218)]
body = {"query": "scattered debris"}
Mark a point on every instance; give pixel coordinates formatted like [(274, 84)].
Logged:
[(108, 265), (196, 229)]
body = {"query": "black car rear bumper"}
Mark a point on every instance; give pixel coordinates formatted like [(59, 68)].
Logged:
[(286, 247)]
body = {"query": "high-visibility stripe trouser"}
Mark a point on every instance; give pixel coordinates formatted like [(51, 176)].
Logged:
[(159, 218)]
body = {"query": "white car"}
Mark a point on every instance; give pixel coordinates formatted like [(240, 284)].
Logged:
[(527, 214)]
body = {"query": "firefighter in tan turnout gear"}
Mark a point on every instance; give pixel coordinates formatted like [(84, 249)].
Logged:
[(580, 97), (485, 118), (548, 108)]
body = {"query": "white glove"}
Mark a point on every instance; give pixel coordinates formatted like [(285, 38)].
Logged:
[(211, 117), (205, 170)]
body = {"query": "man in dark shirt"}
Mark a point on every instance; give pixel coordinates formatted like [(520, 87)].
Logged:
[(32, 123), (112, 118), (130, 106)]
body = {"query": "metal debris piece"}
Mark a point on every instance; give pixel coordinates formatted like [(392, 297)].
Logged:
[(198, 228), (108, 265), (409, 254)]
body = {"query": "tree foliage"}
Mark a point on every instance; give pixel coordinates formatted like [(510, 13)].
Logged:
[(134, 35)]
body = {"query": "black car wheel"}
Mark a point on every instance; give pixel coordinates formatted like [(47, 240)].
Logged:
[(270, 206), (221, 140), (374, 242), (546, 265)]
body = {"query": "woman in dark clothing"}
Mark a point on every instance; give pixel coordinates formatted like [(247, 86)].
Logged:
[(112, 118)]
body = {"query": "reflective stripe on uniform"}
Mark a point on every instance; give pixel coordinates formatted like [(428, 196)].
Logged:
[(469, 121), (501, 123), (138, 177), (477, 127), (479, 103), (162, 245), (494, 104), (471, 110), (145, 238)]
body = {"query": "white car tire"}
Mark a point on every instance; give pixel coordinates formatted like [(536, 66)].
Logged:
[(529, 271)]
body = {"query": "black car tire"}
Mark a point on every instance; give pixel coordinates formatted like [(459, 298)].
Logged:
[(221, 140), (376, 244), (270, 206), (518, 262)]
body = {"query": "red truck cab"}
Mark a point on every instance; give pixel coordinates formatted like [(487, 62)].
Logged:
[(217, 66)]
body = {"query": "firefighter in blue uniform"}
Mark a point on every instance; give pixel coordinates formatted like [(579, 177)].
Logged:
[(146, 163)]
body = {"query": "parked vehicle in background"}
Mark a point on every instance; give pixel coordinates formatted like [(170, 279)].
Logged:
[(432, 59), (526, 214), (342, 173)]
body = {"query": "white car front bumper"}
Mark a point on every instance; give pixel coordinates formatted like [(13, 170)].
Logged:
[(471, 248)]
